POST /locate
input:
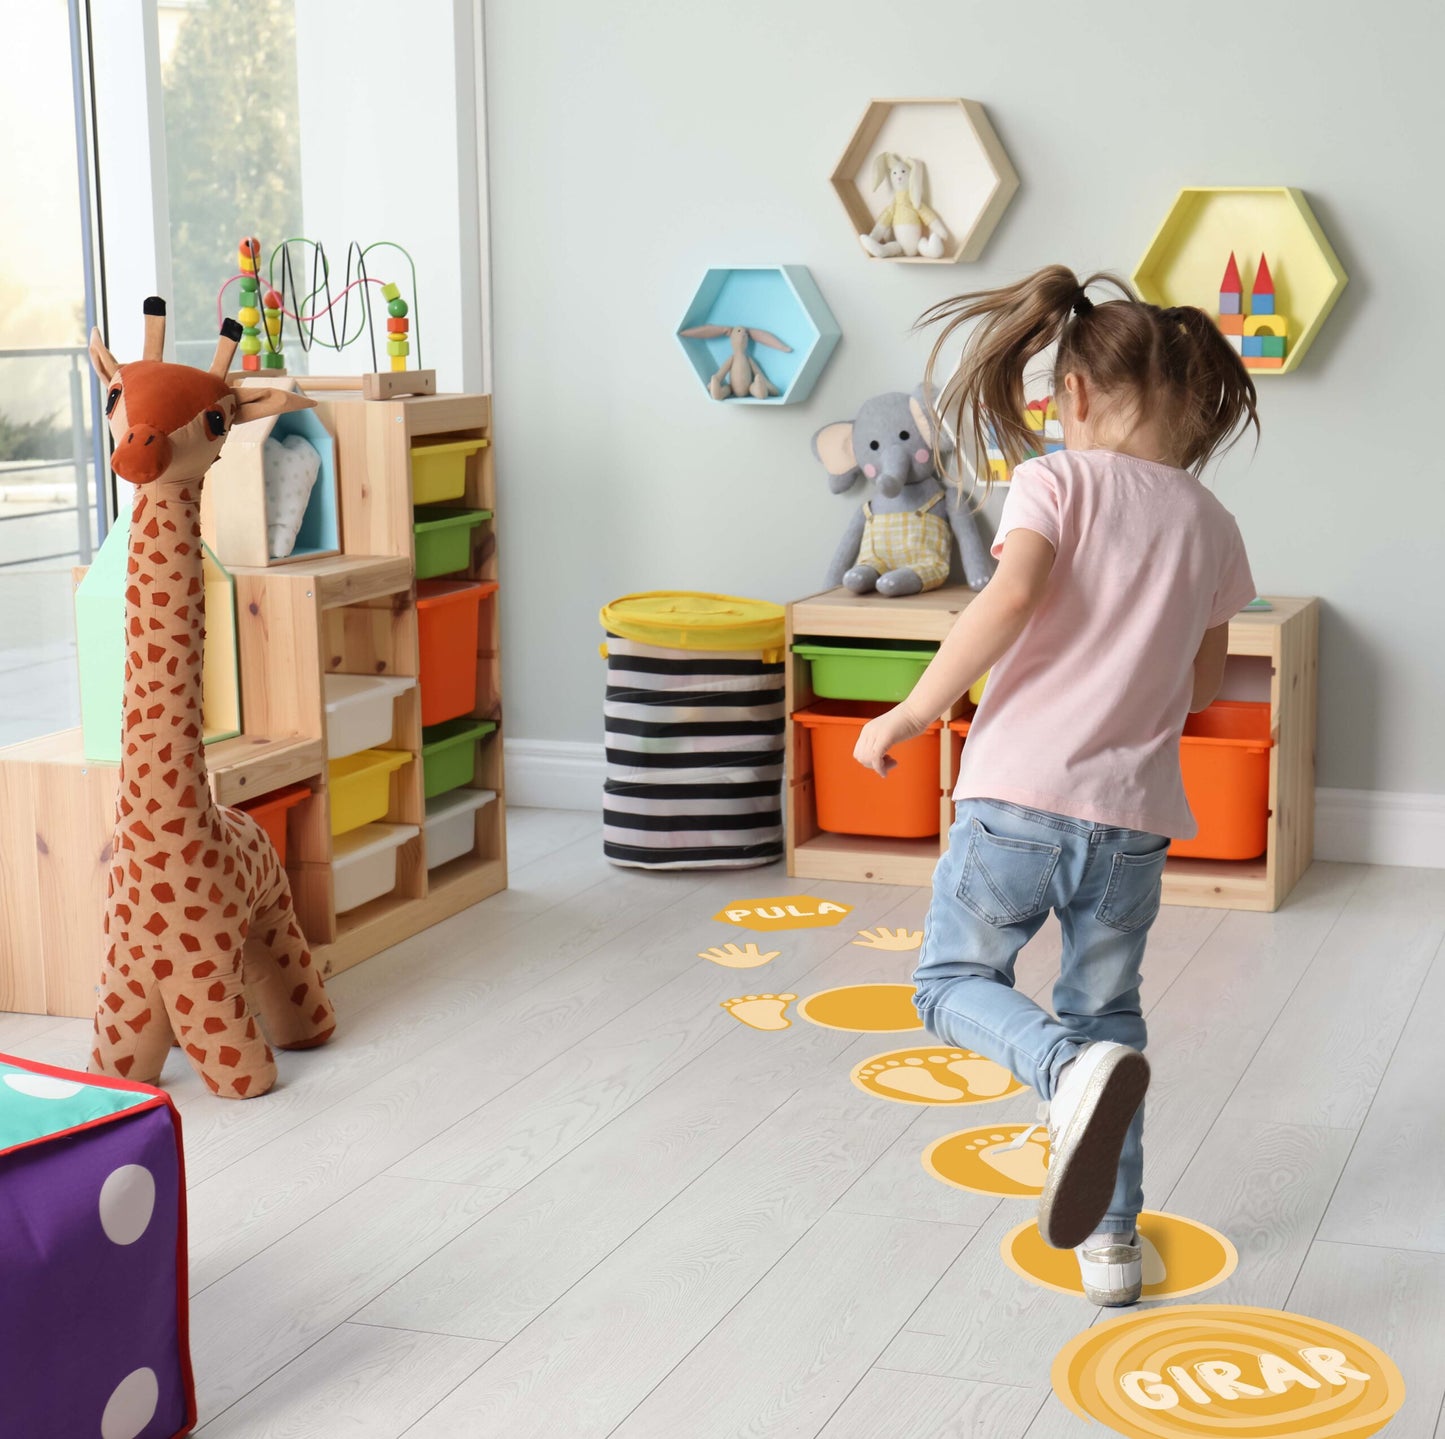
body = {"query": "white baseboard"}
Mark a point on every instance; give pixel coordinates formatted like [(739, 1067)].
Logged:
[(1372, 826), (1357, 826), (554, 774)]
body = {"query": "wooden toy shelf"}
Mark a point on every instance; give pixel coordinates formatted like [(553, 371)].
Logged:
[(352, 613), (1286, 637)]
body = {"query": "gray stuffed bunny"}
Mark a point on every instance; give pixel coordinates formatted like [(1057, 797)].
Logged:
[(898, 542)]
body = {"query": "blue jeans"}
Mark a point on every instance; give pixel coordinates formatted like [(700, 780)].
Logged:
[(1006, 867)]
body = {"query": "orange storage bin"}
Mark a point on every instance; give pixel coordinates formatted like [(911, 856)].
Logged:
[(854, 800), (1225, 759), (448, 618), (270, 811), (957, 733)]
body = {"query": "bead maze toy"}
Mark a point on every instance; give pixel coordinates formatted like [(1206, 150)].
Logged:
[(262, 315)]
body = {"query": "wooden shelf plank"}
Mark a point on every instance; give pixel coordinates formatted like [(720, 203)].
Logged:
[(341, 579), (866, 858), (928, 616)]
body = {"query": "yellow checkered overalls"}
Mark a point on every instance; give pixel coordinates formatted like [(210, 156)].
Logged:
[(916, 539)]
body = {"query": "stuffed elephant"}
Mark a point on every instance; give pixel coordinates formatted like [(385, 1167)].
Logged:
[(898, 543)]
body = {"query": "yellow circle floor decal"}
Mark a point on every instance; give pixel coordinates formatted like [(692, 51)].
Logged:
[(1229, 1371), (989, 1159), (865, 1008), (934, 1075), (1181, 1257)]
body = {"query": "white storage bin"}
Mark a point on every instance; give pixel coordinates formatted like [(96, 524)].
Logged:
[(359, 713), (363, 862), (451, 828)]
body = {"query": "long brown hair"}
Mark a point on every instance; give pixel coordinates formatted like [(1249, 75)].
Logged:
[(1172, 364)]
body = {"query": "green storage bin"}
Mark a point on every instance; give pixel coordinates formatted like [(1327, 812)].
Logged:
[(444, 539), (877, 672), (449, 753)]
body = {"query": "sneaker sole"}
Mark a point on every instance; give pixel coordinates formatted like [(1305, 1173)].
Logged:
[(1077, 1192)]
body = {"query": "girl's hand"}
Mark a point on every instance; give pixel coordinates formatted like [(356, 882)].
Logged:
[(879, 736)]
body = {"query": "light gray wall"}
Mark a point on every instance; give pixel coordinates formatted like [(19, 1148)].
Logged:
[(634, 144)]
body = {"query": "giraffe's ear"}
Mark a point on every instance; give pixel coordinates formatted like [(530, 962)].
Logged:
[(257, 402), (101, 360)]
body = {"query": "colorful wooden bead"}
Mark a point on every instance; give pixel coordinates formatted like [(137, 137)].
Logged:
[(248, 314), (398, 327), (398, 362), (271, 300), (250, 362), (397, 308), (250, 345), (273, 360), (398, 347), (391, 292)]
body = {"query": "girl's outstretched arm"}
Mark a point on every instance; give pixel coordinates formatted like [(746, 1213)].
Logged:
[(981, 636)]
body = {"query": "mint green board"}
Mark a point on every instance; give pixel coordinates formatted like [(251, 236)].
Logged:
[(35, 1106), (100, 646)]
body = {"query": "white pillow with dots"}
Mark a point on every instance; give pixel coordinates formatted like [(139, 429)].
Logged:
[(291, 466)]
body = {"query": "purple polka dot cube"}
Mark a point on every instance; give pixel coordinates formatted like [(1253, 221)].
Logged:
[(93, 1335)]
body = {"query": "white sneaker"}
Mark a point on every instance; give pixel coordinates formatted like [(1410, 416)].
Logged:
[(1088, 1118), (1112, 1268)]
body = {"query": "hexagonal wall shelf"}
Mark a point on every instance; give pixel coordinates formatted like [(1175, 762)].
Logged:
[(781, 299), (970, 177), (1186, 262)]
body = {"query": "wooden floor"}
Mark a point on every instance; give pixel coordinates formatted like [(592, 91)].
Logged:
[(544, 1185)]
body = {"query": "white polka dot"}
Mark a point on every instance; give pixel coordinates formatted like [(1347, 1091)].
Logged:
[(43, 1086), (127, 1200), (132, 1406)]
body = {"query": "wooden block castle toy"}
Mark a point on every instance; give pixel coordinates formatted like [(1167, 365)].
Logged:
[(1042, 417), (1259, 337)]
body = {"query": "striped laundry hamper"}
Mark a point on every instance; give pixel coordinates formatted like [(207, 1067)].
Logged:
[(694, 715)]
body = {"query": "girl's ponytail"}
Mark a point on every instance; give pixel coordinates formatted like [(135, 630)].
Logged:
[(1173, 364)]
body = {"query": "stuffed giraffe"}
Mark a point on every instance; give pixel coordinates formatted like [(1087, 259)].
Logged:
[(198, 923)]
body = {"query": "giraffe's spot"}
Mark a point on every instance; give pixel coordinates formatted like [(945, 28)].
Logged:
[(159, 860), (204, 970), (986, 1161), (124, 1064), (155, 653), (757, 1011), (299, 993), (223, 942), (139, 1022), (194, 912), (321, 1013), (228, 1057), (136, 988), (112, 1034), (156, 924), (188, 854), (162, 968), (196, 1053), (163, 892), (176, 827), (114, 1002), (189, 942), (216, 993), (193, 883), (127, 1201), (131, 1406), (241, 1084), (42, 1086), (214, 1025), (934, 1076)]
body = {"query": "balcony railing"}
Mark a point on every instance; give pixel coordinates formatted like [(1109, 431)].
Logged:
[(43, 492)]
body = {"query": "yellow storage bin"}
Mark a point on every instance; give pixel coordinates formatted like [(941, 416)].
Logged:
[(360, 787), (439, 472)]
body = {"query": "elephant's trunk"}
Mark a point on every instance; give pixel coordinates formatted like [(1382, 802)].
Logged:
[(896, 471)]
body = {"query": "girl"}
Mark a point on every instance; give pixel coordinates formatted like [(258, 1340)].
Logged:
[(1105, 624)]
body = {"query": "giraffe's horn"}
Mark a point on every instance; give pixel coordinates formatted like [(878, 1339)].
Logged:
[(226, 347), (155, 340)]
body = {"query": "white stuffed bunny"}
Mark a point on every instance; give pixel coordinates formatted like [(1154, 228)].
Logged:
[(291, 466)]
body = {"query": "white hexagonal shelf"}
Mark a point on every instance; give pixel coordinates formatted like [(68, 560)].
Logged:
[(969, 178)]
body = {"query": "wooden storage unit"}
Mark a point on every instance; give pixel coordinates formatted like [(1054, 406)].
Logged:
[(296, 623), (1286, 637)]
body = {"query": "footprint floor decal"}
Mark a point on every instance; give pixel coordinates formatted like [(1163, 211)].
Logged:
[(934, 1074), (1181, 1257), (985, 1161), (761, 1011)]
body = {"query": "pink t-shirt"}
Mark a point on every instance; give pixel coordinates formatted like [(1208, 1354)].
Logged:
[(1083, 715)]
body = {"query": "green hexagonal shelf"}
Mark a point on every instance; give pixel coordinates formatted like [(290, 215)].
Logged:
[(970, 179), (785, 301), (1187, 260)]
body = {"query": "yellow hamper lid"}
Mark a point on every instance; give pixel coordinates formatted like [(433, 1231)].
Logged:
[(689, 620)]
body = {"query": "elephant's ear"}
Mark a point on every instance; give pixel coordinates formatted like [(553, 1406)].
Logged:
[(833, 445), (922, 411)]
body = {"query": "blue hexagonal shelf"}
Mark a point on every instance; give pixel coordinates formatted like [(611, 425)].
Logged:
[(781, 299)]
